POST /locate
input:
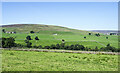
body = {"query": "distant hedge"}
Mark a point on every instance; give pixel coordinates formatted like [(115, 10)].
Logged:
[(10, 42)]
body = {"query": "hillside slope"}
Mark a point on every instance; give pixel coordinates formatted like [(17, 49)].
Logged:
[(40, 28), (46, 35)]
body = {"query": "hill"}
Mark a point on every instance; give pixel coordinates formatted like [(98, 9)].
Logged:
[(41, 28), (46, 35)]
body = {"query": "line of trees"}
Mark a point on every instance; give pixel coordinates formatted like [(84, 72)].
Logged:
[(10, 42)]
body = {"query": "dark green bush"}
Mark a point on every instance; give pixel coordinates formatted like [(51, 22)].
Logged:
[(28, 37), (8, 42)]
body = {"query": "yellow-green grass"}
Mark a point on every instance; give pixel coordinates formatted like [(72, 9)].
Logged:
[(50, 61)]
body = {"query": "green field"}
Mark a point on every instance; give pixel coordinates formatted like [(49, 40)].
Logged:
[(71, 36), (49, 61)]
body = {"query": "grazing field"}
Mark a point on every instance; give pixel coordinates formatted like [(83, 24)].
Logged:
[(71, 36), (50, 61), (48, 39)]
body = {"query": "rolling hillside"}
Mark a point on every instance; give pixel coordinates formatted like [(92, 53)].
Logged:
[(46, 35), (40, 28)]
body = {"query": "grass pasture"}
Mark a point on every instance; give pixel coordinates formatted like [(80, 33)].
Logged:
[(47, 39), (53, 61), (45, 34), (50, 61)]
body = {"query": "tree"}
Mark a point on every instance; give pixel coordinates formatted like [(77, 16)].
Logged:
[(89, 33), (8, 42), (111, 33), (26, 41), (29, 44), (57, 46), (35, 46), (32, 32), (106, 37), (36, 38), (108, 45), (40, 46), (81, 47), (96, 48), (3, 42), (47, 47), (110, 48), (63, 40), (52, 47), (97, 34), (72, 47), (19, 45), (28, 38), (3, 30), (62, 45), (67, 47), (85, 37), (77, 47)]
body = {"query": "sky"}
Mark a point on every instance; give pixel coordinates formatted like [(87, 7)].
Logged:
[(76, 15)]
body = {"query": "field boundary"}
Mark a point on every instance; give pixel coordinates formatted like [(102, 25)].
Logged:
[(67, 51)]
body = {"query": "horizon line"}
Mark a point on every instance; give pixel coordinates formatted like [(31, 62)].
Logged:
[(55, 25)]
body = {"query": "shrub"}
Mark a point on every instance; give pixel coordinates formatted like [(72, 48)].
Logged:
[(28, 37), (47, 47), (106, 37), (29, 44), (19, 45), (40, 46), (67, 47), (71, 47), (3, 30), (35, 46), (62, 45), (57, 46), (89, 33), (97, 34), (108, 45), (32, 32), (63, 41), (82, 47), (8, 42), (110, 48), (36, 38), (52, 47), (96, 48), (77, 47), (85, 37)]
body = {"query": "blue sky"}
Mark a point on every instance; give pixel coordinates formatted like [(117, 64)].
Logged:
[(77, 15)]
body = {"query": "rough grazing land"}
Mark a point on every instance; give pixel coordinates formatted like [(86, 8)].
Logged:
[(71, 36), (51, 61)]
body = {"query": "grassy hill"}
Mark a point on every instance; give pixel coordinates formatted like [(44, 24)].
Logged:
[(45, 34), (51, 61), (39, 28)]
